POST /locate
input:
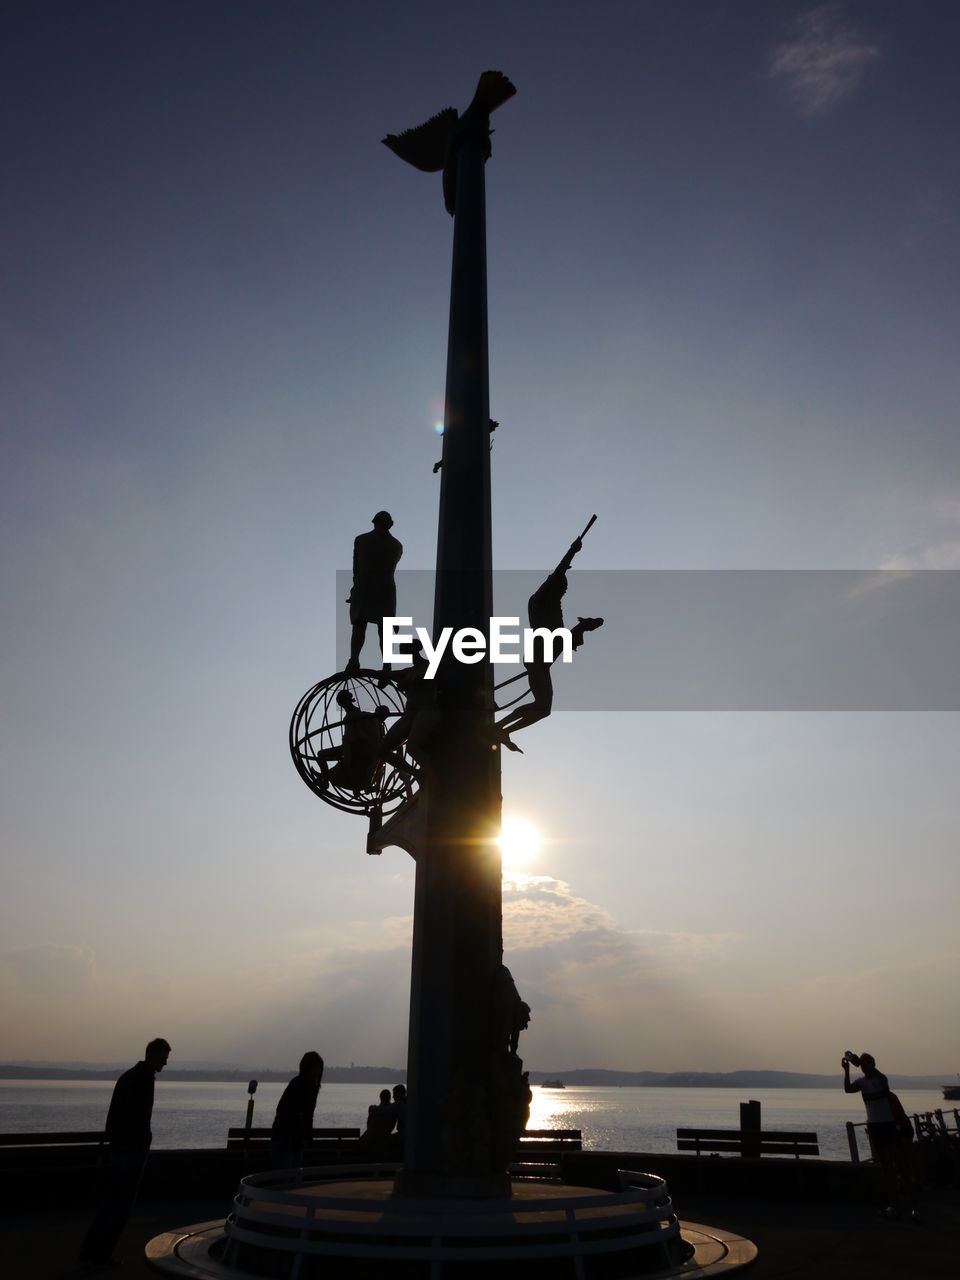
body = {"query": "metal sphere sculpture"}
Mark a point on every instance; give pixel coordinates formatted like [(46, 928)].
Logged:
[(335, 735)]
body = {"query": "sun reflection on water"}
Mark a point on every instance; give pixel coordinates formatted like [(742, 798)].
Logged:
[(552, 1109)]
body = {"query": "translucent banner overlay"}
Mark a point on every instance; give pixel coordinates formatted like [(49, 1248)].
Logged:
[(730, 640)]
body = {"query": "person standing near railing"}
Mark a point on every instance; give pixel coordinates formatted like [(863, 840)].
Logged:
[(889, 1132)]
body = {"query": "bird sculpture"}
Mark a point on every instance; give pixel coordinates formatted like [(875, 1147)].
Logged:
[(433, 146)]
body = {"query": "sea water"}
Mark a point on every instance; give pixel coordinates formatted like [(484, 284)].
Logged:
[(195, 1114)]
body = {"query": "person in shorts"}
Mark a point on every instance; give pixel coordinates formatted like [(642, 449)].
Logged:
[(889, 1132)]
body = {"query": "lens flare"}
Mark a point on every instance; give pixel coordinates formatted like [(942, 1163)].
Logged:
[(519, 842), (436, 413)]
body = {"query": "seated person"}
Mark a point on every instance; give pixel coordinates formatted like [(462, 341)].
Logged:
[(357, 757), (381, 1118)]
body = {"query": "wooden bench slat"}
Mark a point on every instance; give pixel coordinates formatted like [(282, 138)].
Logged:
[(558, 1134), (72, 1138), (790, 1149), (264, 1135), (734, 1144), (541, 1145), (709, 1133), (776, 1135), (718, 1144)]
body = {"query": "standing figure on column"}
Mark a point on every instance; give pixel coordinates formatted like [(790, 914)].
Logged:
[(373, 596)]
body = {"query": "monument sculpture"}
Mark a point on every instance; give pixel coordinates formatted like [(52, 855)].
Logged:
[(545, 610), (373, 596), (423, 753), (420, 758)]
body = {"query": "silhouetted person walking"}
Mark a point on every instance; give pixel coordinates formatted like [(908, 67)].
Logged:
[(129, 1136), (293, 1123), (373, 596)]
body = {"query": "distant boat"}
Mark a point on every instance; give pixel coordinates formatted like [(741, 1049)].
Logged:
[(552, 1084), (951, 1092)]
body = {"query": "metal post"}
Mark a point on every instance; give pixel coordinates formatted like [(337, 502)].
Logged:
[(852, 1142), (750, 1128)]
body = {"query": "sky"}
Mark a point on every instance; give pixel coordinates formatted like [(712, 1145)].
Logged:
[(723, 277)]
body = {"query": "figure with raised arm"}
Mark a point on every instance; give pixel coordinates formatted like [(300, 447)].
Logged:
[(373, 596), (545, 611), (890, 1133)]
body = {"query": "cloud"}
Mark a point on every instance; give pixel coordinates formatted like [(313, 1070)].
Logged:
[(938, 555), (941, 547), (347, 993), (541, 913), (900, 974), (51, 969), (824, 62), (890, 575), (597, 989)]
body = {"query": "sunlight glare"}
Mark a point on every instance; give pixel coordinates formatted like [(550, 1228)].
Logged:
[(519, 842)]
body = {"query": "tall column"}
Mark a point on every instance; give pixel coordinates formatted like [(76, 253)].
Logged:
[(451, 1144)]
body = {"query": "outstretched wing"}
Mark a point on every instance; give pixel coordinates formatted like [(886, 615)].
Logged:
[(493, 90), (425, 147)]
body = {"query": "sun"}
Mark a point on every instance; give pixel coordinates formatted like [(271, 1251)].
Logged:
[(519, 842)]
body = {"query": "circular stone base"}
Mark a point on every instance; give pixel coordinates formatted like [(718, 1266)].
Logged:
[(358, 1228), (185, 1252)]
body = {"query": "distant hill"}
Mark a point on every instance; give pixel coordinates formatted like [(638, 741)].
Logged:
[(222, 1075), (394, 1075), (720, 1079)]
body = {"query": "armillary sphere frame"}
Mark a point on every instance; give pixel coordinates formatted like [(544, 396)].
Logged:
[(316, 733)]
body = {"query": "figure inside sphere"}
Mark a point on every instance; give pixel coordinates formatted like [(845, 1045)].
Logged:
[(357, 756), (373, 595)]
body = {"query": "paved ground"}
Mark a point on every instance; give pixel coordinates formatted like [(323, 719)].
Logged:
[(822, 1241)]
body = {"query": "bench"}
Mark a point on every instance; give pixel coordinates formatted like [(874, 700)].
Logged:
[(24, 1157), (73, 1138), (550, 1140), (253, 1139), (749, 1142), (531, 1140)]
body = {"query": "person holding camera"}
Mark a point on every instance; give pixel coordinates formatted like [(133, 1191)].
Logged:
[(889, 1131)]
